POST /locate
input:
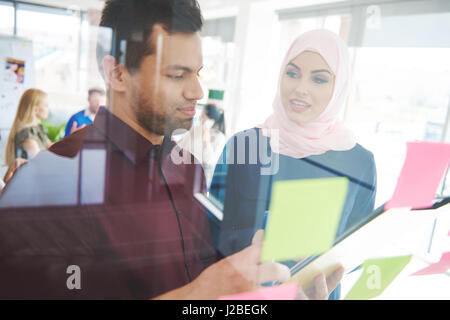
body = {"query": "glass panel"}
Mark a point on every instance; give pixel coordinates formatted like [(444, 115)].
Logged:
[(56, 39), (6, 19), (400, 95), (291, 29)]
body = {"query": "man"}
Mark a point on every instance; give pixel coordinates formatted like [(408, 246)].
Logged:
[(106, 213), (96, 98)]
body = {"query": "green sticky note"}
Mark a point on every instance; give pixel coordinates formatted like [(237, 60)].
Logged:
[(304, 217), (377, 276)]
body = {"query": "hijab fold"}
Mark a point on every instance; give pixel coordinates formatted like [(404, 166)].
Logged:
[(326, 132)]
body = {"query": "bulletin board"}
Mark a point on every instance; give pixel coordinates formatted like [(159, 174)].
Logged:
[(17, 73)]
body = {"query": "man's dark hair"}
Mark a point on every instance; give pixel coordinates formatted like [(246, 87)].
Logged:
[(132, 21), (96, 90)]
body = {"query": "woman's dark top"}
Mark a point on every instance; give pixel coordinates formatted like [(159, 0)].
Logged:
[(247, 169)]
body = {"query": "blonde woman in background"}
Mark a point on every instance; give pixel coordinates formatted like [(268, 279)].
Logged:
[(27, 137)]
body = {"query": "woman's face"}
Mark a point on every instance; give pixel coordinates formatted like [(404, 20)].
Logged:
[(306, 87), (42, 110)]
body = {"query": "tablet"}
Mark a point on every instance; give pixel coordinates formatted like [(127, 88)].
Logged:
[(381, 234), (370, 238), (303, 263)]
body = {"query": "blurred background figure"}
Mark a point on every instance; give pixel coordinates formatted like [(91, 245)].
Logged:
[(96, 99), (2, 183), (27, 136), (206, 139)]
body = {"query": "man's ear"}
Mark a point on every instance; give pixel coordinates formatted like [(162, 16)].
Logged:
[(116, 75)]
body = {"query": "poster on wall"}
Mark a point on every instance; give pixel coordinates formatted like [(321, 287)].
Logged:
[(15, 71), (16, 75)]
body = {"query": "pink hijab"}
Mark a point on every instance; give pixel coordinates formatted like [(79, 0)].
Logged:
[(326, 132)]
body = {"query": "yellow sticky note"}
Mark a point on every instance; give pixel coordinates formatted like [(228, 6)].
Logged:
[(304, 217), (377, 276)]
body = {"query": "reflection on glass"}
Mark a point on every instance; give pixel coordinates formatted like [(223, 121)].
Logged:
[(109, 199)]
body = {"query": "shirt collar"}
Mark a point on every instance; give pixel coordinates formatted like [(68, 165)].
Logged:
[(89, 114), (133, 145)]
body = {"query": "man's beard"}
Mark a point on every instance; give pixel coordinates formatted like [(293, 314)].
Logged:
[(160, 124)]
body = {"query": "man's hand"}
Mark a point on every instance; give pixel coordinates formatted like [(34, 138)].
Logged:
[(322, 287), (237, 273), (74, 127), (243, 272)]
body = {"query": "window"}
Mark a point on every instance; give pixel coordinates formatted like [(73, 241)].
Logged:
[(401, 72), (56, 39), (400, 91), (6, 18), (60, 46), (291, 29), (218, 57)]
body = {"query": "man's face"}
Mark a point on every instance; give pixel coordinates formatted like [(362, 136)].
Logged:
[(165, 90), (96, 100)]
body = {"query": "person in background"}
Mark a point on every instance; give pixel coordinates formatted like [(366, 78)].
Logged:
[(96, 98), (27, 136), (206, 139)]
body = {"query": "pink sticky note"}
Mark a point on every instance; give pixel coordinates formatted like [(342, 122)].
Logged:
[(421, 174), (437, 268), (283, 292)]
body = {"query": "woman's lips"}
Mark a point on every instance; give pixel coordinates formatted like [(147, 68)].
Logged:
[(299, 105), (190, 111)]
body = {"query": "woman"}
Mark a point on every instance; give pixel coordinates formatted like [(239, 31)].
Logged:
[(27, 137), (303, 136), (206, 139), (213, 137)]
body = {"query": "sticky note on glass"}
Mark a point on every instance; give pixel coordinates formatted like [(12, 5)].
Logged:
[(436, 268), (376, 276), (304, 217), (283, 292), (423, 170)]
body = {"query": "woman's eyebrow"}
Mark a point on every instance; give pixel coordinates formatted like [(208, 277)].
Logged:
[(321, 70), (293, 65), (315, 71)]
